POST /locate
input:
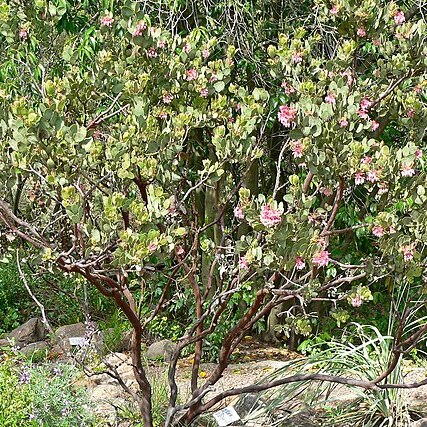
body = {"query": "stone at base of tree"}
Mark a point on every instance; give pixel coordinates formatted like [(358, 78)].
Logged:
[(76, 330), (126, 341), (34, 347), (32, 330), (161, 350), (420, 423)]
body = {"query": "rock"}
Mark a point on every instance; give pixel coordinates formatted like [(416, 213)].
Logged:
[(420, 423), (106, 398), (64, 333), (161, 350), (126, 342), (31, 331), (34, 347), (5, 343)]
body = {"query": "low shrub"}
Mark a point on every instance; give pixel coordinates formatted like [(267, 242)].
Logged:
[(41, 395)]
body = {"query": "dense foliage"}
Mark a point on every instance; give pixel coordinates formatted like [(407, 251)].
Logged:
[(174, 162)]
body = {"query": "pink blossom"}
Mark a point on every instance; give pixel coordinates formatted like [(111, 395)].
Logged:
[(270, 217), (356, 301), (167, 99), (410, 113), (243, 263), (163, 115), (213, 78), (287, 115), (204, 92), (231, 119), (407, 170), (238, 212), (289, 90), (374, 125), (162, 44), (334, 10), (348, 74), (418, 89), (367, 160), (297, 58), (343, 122), (326, 191), (372, 175), (23, 33), (321, 259), (419, 153), (378, 231), (139, 29), (187, 48), (152, 52), (361, 32), (330, 98), (297, 148), (365, 104), (191, 74), (363, 114), (299, 263), (107, 21), (152, 247), (408, 252), (179, 250), (399, 18), (376, 42), (206, 53), (359, 178)]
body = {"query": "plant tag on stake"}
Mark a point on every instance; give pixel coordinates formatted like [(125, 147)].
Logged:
[(77, 341), (226, 416)]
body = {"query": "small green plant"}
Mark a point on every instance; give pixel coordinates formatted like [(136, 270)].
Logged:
[(41, 395)]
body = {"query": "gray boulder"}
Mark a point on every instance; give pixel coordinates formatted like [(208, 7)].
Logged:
[(34, 347), (161, 350), (64, 333), (420, 423), (31, 331)]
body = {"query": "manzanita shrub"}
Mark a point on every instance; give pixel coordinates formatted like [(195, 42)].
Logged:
[(128, 154)]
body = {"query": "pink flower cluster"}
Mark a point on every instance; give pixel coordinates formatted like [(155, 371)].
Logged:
[(297, 148), (334, 10), (287, 115), (364, 106), (408, 252), (378, 231), (191, 74), (297, 58), (299, 263), (361, 32), (167, 99), (407, 170), (107, 21), (204, 92), (374, 125), (321, 258), (152, 52), (139, 29), (206, 53), (270, 217), (356, 301), (399, 17), (23, 33), (243, 263), (289, 90), (238, 212), (330, 98), (343, 122)]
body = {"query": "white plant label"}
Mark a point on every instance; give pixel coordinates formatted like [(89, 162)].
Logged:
[(226, 416), (77, 341)]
